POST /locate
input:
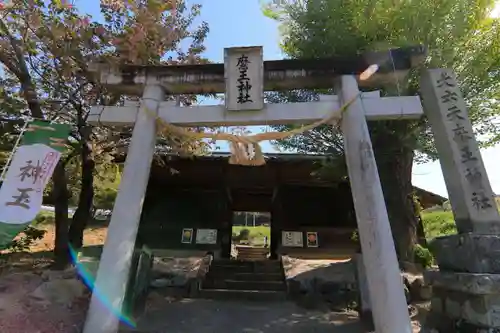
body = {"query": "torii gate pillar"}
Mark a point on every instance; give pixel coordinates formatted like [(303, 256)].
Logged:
[(114, 267), (390, 312)]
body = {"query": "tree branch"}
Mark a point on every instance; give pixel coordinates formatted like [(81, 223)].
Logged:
[(23, 75)]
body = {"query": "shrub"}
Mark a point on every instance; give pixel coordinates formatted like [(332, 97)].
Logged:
[(244, 234), (423, 256), (29, 236), (44, 218)]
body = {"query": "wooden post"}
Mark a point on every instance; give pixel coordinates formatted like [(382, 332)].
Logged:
[(390, 312), (114, 268)]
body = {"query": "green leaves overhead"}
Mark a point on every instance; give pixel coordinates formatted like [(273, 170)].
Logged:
[(459, 34)]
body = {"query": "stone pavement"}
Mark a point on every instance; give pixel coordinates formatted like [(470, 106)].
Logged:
[(198, 315)]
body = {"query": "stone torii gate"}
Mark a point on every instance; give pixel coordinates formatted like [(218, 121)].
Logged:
[(244, 77)]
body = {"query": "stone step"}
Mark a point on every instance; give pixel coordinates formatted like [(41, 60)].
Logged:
[(245, 269), (252, 253), (221, 275), (244, 285), (247, 295), (246, 263)]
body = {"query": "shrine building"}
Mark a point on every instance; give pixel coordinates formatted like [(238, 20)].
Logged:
[(200, 195)]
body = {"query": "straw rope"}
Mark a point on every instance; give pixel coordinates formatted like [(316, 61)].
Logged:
[(245, 149)]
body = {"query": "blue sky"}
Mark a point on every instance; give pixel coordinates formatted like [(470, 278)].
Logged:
[(240, 23)]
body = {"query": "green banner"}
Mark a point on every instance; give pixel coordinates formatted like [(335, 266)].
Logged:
[(31, 168)]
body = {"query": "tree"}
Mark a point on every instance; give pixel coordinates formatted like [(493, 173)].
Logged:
[(45, 49), (458, 33)]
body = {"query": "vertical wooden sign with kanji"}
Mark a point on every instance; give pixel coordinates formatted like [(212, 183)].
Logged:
[(244, 75)]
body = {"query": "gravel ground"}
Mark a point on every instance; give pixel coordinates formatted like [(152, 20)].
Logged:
[(197, 315)]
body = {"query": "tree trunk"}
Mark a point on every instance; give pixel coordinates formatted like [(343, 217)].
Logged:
[(83, 211), (420, 224), (60, 189), (60, 197), (394, 154)]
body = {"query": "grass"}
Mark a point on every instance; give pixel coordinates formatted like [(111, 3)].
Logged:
[(255, 232), (438, 223), (441, 223)]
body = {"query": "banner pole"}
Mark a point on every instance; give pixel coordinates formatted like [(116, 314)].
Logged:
[(23, 129)]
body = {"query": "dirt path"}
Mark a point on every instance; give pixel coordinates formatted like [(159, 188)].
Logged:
[(196, 315), (166, 316)]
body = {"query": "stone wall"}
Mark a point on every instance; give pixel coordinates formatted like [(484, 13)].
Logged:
[(332, 284), (466, 289), (179, 277)]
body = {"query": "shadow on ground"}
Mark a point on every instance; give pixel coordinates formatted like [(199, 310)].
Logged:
[(196, 315)]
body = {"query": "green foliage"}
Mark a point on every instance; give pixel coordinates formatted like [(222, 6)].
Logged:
[(44, 218), (423, 256), (458, 34), (45, 52), (418, 206), (23, 242), (438, 222), (244, 235), (254, 231), (104, 198), (253, 235)]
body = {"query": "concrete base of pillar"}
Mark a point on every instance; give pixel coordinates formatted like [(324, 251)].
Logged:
[(464, 302), (467, 253), (466, 288)]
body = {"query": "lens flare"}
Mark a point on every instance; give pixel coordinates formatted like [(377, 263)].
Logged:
[(88, 279)]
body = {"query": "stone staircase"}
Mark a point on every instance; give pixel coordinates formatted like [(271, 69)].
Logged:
[(250, 253), (244, 280)]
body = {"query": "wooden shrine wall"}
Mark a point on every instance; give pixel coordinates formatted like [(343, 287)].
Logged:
[(327, 211), (167, 213), (318, 206)]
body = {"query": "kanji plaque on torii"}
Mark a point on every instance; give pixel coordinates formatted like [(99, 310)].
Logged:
[(244, 75)]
